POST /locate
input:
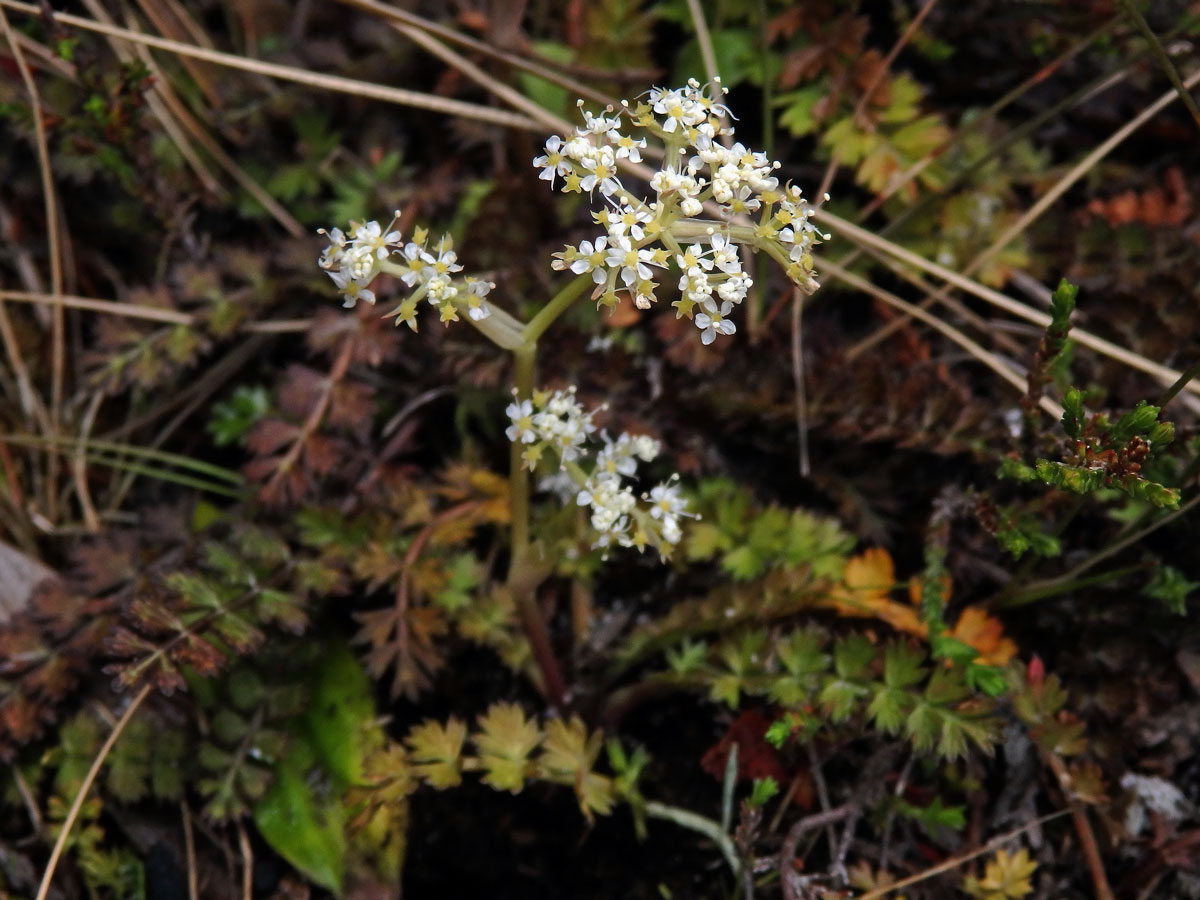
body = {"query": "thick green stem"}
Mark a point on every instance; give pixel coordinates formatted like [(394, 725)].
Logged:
[(524, 359), (552, 310), (525, 573)]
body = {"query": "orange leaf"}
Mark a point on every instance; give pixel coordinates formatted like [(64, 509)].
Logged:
[(979, 630), (866, 582), (871, 574)]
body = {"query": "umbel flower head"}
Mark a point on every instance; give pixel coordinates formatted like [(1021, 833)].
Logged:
[(597, 475), (431, 274), (643, 235)]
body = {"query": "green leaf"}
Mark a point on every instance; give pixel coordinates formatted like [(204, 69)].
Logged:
[(569, 757), (945, 647), (687, 657), (801, 652), (934, 816), (1070, 478), (902, 665), (852, 655), (762, 791), (1169, 586), (989, 680), (1062, 304), (462, 580), (839, 698), (744, 562), (340, 721), (1137, 421), (923, 726), (888, 709), (1073, 413), (797, 115), (1015, 470), (304, 829), (437, 751), (504, 741)]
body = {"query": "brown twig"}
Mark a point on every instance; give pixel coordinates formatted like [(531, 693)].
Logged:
[(336, 372), (955, 861), (787, 853), (798, 378), (247, 862), (1083, 829), (57, 318), (189, 851), (85, 787)]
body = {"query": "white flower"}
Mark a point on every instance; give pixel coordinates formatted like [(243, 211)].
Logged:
[(521, 428), (695, 285), (645, 447), (634, 265), (331, 256), (352, 291), (693, 260), (670, 531), (591, 258), (553, 162), (611, 504), (666, 502), (725, 255), (598, 125), (627, 147), (734, 288), (628, 222), (373, 239), (418, 270), (446, 261), (712, 321)]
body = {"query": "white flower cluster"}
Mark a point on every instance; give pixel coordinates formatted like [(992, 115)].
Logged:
[(557, 421), (642, 234), (353, 262)]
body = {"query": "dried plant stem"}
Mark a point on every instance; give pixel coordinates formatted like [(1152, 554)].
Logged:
[(58, 348), (189, 850), (1078, 171), (1083, 829), (148, 313), (704, 38), (1164, 61), (955, 861), (865, 238), (315, 415), (522, 62), (787, 853), (985, 356), (798, 378), (300, 76), (1052, 586), (31, 402), (85, 788), (91, 519), (247, 862), (818, 777)]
